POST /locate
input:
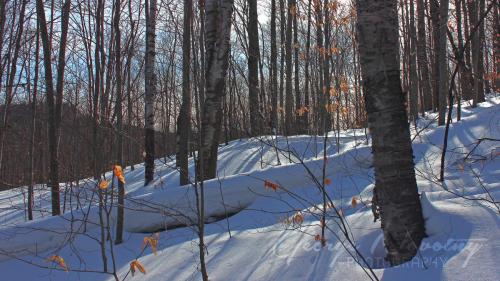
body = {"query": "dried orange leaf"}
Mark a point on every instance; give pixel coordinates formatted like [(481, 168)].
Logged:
[(271, 185), (328, 181), (103, 184), (152, 242), (59, 260), (135, 264), (118, 172), (298, 218), (354, 202)]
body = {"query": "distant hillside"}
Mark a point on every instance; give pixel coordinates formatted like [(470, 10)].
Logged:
[(76, 148)]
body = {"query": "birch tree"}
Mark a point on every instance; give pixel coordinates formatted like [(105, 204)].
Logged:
[(150, 92), (395, 193), (218, 17)]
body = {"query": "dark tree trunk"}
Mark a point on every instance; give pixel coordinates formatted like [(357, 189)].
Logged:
[(33, 129), (465, 76), (282, 64), (473, 7), (119, 120), (184, 118), (321, 89), (395, 184), (480, 71), (442, 61), (54, 98), (96, 136), (253, 69), (434, 12), (289, 67)]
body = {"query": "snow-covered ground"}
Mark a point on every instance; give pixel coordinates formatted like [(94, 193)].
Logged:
[(258, 242)]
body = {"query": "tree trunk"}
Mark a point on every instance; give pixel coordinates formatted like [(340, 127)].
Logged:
[(184, 118), (274, 70), (465, 76), (33, 129), (423, 64), (282, 64), (496, 47), (480, 70), (289, 67), (467, 54), (119, 120), (473, 7), (321, 90), (296, 48), (218, 16), (130, 52), (442, 60), (150, 92), (327, 122), (434, 12), (413, 65), (96, 136), (54, 99), (305, 118), (395, 184), (253, 71)]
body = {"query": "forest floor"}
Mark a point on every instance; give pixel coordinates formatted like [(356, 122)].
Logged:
[(261, 240)]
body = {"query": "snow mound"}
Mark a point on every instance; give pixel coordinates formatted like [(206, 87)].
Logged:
[(255, 243)]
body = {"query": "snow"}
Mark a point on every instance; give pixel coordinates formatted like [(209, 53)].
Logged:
[(246, 236)]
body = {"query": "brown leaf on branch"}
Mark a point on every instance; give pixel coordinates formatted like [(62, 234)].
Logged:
[(135, 264)]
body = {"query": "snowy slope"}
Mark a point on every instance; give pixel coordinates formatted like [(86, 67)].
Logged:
[(463, 227)]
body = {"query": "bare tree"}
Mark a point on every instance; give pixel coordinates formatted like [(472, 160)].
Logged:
[(274, 70), (253, 63), (54, 98), (441, 51), (33, 128), (184, 118), (413, 65), (119, 120), (291, 11), (473, 8), (9, 93), (425, 85)]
